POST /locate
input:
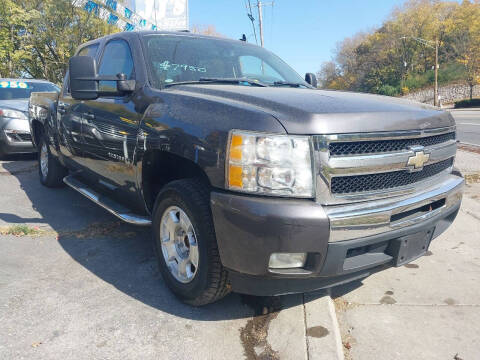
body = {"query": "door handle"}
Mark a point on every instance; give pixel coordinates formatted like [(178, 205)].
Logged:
[(89, 116)]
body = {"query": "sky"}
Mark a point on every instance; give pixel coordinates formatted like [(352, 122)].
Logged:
[(302, 32)]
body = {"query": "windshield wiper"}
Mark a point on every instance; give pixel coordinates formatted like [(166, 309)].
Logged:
[(219, 81), (286, 83)]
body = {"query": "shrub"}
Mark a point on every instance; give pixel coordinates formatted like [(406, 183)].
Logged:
[(388, 90), (467, 103)]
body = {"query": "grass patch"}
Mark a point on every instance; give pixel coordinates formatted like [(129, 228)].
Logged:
[(20, 230)]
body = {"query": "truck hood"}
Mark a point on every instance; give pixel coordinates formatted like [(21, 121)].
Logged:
[(17, 104), (308, 111)]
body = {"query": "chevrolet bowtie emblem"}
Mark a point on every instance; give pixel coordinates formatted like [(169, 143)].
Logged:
[(418, 160)]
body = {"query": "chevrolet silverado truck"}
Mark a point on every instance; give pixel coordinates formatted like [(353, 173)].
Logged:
[(251, 178)]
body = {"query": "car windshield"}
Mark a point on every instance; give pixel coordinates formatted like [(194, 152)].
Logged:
[(177, 59), (18, 89)]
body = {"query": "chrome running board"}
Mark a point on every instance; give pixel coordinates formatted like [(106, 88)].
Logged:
[(108, 204)]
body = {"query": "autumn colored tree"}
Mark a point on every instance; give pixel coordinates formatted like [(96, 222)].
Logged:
[(399, 56)]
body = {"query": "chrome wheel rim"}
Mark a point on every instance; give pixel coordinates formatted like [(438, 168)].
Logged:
[(179, 244), (44, 160)]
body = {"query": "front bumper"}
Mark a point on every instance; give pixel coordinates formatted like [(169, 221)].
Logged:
[(15, 136), (343, 242)]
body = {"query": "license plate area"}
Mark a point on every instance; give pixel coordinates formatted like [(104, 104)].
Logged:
[(410, 247)]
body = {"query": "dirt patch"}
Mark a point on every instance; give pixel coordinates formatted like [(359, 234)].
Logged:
[(341, 306), (317, 331), (254, 335), (472, 178), (411, 266), (389, 292), (428, 253), (449, 301), (388, 300), (469, 148), (21, 230), (19, 171), (115, 228)]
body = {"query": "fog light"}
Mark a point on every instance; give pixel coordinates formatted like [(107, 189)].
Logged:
[(287, 260)]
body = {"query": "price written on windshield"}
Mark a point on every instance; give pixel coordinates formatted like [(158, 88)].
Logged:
[(166, 65)]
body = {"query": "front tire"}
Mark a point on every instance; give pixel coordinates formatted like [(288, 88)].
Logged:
[(50, 170), (186, 245)]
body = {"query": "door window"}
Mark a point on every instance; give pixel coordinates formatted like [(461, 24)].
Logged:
[(117, 59), (90, 50)]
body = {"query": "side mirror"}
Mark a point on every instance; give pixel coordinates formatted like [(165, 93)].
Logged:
[(83, 72), (84, 80), (311, 79)]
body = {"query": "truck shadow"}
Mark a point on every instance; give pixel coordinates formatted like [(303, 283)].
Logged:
[(120, 254)]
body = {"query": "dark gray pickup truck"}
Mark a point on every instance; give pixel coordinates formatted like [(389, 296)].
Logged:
[(251, 178)]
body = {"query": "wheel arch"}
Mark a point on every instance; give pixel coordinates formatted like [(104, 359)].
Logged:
[(161, 167)]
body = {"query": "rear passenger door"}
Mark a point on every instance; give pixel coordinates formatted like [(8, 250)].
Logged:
[(110, 125)]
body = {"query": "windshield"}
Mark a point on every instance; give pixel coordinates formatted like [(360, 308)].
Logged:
[(176, 59), (12, 90)]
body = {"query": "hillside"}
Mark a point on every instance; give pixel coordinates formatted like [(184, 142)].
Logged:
[(399, 56)]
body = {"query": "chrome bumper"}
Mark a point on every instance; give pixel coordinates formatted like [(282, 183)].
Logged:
[(358, 220)]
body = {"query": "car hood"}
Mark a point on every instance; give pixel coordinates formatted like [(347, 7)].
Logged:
[(17, 104), (308, 111)]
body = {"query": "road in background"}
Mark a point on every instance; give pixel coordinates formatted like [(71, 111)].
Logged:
[(468, 125)]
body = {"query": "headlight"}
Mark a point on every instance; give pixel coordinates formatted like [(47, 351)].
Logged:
[(12, 114), (269, 164)]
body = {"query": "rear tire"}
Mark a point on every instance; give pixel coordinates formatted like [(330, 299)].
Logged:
[(50, 170), (182, 211)]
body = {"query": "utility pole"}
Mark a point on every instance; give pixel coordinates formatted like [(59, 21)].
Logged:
[(429, 44), (259, 5), (260, 21), (435, 91)]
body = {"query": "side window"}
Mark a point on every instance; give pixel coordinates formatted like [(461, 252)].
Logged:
[(90, 50), (117, 58), (252, 66)]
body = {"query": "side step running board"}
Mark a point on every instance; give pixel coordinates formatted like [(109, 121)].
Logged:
[(108, 204)]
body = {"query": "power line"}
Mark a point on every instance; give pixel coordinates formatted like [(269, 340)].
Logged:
[(252, 19)]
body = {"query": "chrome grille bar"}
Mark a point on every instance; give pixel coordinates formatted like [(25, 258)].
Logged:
[(330, 166)]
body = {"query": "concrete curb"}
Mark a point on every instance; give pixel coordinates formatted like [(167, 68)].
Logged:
[(322, 329)]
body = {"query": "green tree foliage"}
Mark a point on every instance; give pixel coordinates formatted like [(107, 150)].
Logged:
[(37, 37), (392, 60)]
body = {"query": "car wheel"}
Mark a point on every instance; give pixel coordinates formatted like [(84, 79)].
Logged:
[(186, 245), (49, 168)]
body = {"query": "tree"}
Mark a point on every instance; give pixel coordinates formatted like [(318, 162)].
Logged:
[(393, 59), (467, 36), (209, 30), (37, 37)]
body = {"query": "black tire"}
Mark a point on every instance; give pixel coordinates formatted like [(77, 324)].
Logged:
[(210, 282), (55, 172)]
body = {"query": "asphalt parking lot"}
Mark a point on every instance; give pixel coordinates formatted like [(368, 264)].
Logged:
[(82, 285)]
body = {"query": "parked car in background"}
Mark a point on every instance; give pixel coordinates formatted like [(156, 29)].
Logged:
[(14, 129)]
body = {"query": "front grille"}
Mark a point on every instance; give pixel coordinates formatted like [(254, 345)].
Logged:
[(382, 181), (25, 137), (381, 146), (18, 136)]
